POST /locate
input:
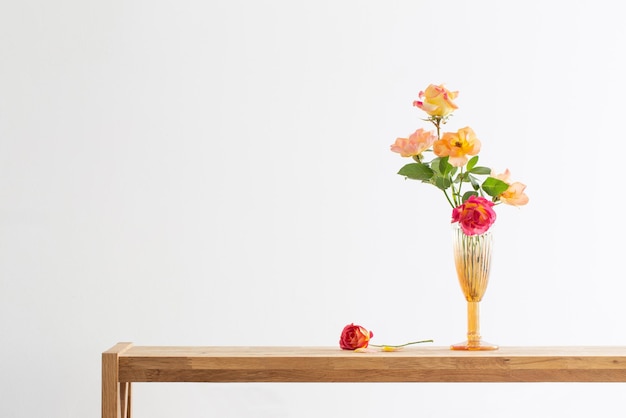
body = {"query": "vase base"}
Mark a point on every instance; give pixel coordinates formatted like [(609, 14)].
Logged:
[(474, 346)]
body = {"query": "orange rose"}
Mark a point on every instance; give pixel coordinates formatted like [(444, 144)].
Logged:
[(475, 216), (437, 100), (514, 195), (354, 336), (457, 146)]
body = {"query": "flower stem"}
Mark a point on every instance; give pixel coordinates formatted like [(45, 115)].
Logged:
[(437, 122), (402, 345), (448, 197), (459, 197)]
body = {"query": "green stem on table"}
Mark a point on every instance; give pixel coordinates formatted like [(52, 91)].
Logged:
[(401, 345)]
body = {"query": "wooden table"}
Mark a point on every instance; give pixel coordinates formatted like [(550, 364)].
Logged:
[(125, 363)]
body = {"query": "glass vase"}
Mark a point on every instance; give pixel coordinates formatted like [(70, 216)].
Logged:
[(472, 258)]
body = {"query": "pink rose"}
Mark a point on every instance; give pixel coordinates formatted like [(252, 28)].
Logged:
[(475, 216), (418, 142), (354, 336)]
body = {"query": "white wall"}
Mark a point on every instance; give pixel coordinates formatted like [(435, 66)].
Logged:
[(219, 173)]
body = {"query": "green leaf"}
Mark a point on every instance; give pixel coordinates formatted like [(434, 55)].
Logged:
[(494, 187), (480, 170), (472, 162), (416, 171), (467, 195), (442, 167), (474, 181), (435, 164), (442, 182)]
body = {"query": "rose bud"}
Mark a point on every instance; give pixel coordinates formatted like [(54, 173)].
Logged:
[(354, 337)]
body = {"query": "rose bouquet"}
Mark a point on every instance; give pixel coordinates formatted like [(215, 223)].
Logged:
[(470, 189)]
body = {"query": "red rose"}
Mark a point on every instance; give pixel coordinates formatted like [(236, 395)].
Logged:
[(354, 336), (475, 216)]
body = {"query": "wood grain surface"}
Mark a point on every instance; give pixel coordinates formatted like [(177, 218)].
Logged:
[(331, 364)]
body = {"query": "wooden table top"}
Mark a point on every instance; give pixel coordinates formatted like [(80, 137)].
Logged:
[(331, 364)]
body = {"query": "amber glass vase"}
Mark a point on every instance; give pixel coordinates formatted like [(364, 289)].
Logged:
[(472, 257)]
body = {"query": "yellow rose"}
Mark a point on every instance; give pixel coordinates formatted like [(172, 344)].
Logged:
[(437, 100)]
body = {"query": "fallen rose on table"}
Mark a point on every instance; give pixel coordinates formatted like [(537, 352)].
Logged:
[(357, 338)]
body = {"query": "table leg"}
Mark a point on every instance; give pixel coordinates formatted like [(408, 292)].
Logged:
[(115, 394), (124, 399)]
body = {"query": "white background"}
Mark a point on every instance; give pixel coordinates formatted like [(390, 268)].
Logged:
[(218, 173)]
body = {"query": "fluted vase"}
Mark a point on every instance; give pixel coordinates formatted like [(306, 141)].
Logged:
[(472, 258)]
